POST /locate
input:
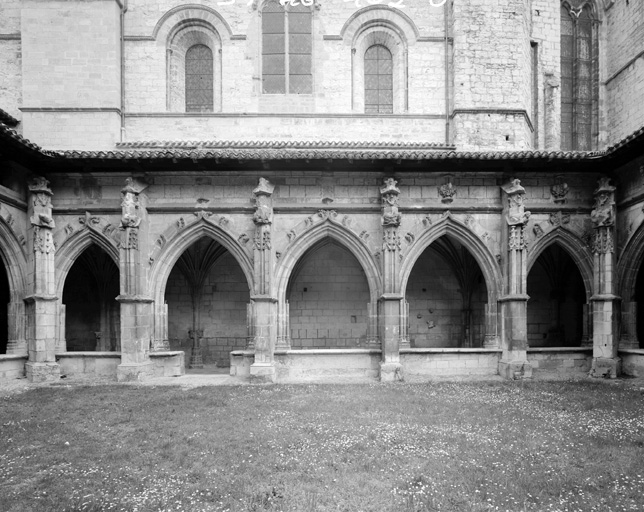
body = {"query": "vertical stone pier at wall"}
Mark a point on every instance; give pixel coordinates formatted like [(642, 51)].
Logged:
[(605, 303), (392, 303), (136, 307), (264, 303), (514, 325), (41, 302)]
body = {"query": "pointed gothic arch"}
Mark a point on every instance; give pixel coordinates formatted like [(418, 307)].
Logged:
[(448, 226), (74, 246), (174, 248), (344, 237), (14, 259), (574, 247)]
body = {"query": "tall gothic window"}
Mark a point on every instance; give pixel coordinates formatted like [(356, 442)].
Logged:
[(378, 80), (579, 77), (199, 79), (286, 49)]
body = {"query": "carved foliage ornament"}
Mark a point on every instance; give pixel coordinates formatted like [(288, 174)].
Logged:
[(263, 240), (43, 241), (390, 240), (447, 192), (517, 240), (559, 192), (602, 241)]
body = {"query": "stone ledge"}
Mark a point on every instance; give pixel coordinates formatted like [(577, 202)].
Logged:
[(165, 353), (561, 349), (634, 351), (90, 354), (330, 351), (13, 357), (450, 350)]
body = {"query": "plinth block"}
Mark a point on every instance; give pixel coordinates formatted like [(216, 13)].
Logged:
[(391, 372), (42, 372), (515, 370)]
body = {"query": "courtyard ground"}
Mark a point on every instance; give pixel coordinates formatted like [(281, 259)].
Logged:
[(453, 446)]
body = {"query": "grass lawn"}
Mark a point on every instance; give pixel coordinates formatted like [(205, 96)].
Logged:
[(532, 446)]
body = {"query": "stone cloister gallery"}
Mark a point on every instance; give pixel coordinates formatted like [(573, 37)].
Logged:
[(321, 190)]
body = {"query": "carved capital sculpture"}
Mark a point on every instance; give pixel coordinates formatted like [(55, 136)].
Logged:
[(263, 202), (130, 217), (389, 196), (41, 200), (603, 214), (516, 211)]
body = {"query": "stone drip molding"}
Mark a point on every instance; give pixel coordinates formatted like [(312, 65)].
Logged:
[(7, 218), (434, 221), (344, 221), (181, 224), (98, 225)]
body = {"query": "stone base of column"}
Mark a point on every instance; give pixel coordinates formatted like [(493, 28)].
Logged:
[(491, 341), (134, 372), (391, 372), (607, 368), (42, 372), (196, 358), (161, 346), (262, 373), (515, 370), (404, 343)]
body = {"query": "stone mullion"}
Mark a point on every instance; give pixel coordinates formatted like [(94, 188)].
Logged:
[(265, 307), (514, 331), (137, 309), (605, 304), (41, 303), (392, 303)]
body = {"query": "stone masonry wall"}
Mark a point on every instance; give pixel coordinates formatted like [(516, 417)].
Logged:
[(223, 311), (625, 85), (328, 301)]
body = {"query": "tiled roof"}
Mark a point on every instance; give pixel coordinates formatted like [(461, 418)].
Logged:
[(7, 119), (312, 150), (17, 141)]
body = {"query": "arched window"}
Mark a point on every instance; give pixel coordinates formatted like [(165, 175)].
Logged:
[(579, 77), (286, 49), (378, 80), (199, 79)]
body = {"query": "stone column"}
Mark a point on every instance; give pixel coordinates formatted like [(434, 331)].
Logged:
[(41, 303), (137, 309), (391, 302), (514, 319), (265, 305), (605, 304)]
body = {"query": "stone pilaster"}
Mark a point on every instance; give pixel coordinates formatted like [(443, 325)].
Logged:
[(392, 304), (265, 308), (41, 303), (514, 329), (137, 309), (605, 304)]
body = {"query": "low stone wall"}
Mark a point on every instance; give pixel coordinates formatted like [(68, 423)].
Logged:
[(98, 364), (240, 361), (170, 363), (560, 361), (632, 362), (445, 362), (12, 366), (332, 365)]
